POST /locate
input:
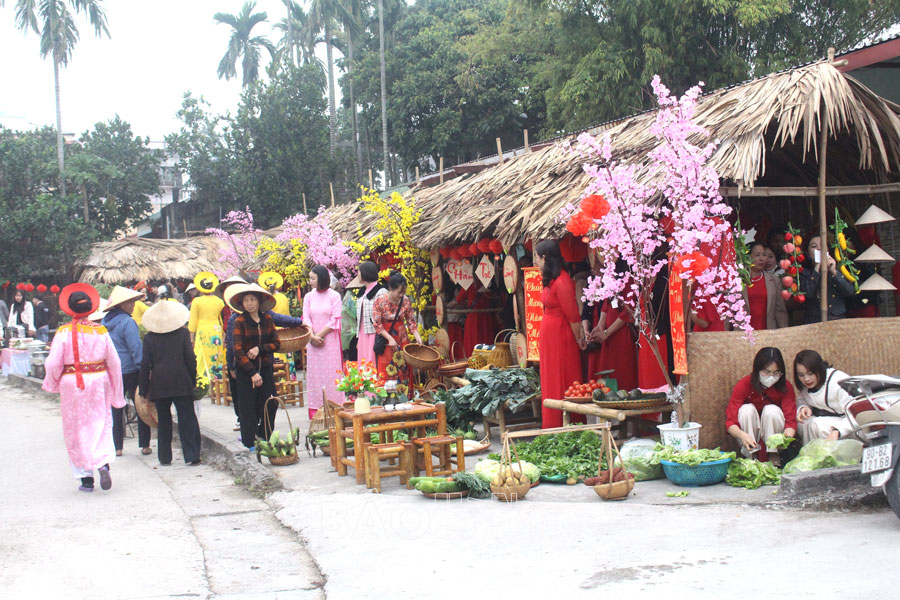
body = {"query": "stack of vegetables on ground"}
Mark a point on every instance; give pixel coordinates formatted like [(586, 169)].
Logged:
[(485, 394), (277, 446), (563, 456), (459, 482)]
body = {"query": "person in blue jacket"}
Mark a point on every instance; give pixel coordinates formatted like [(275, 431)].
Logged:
[(280, 321), (127, 339)]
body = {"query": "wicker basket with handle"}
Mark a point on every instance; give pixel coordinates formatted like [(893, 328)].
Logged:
[(612, 490), (279, 461), (293, 339), (510, 492), (455, 367), (501, 356), (422, 357)]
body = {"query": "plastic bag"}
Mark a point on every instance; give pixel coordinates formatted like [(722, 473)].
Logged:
[(637, 455), (822, 454)]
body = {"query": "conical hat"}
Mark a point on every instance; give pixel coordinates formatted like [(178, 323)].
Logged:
[(121, 295), (234, 296), (98, 314), (206, 282), (268, 279), (165, 316), (224, 285)]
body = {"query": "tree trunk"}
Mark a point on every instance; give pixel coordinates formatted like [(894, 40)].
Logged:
[(60, 157), (356, 144), (290, 24), (384, 124), (84, 203), (332, 115)]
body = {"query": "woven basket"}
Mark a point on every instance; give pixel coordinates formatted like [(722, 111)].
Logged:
[(631, 404), (501, 356), (455, 368), (280, 461), (422, 357), (614, 490), (293, 339), (483, 355), (510, 493)]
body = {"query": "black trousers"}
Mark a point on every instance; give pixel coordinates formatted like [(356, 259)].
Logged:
[(233, 388), (188, 428), (252, 406), (130, 383)]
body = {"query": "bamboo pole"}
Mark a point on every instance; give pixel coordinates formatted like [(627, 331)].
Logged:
[(371, 185), (304, 203), (499, 151), (418, 180), (809, 192), (441, 169), (823, 225), (527, 147), (331, 188)]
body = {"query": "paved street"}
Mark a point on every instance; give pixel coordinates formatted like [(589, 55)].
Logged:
[(187, 531), (177, 531)]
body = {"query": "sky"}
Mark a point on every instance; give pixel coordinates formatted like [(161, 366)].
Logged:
[(157, 50)]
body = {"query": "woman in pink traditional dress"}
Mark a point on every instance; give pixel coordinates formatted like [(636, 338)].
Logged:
[(368, 274), (322, 314), (84, 368)]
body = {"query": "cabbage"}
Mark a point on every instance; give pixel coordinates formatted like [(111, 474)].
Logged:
[(638, 455), (822, 454), (488, 469)]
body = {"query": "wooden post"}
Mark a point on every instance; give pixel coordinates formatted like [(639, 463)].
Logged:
[(499, 151), (418, 181), (823, 226), (527, 147), (304, 203), (441, 169), (371, 185), (331, 188)]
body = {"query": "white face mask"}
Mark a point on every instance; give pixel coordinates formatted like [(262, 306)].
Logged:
[(768, 381)]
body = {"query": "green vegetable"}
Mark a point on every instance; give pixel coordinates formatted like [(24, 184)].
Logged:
[(691, 458), (486, 393), (822, 454), (478, 488), (643, 469), (751, 474), (681, 494), (779, 440), (426, 487), (574, 454), (447, 487)]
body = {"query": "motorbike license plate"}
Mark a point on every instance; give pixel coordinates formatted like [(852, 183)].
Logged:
[(876, 458)]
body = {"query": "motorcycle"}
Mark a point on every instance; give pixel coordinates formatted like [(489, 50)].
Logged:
[(874, 413)]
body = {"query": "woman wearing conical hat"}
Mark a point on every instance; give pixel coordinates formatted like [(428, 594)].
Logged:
[(84, 369), (205, 325)]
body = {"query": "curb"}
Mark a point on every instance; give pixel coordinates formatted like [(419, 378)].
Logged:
[(216, 450)]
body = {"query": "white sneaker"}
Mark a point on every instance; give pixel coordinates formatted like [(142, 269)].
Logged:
[(237, 425)]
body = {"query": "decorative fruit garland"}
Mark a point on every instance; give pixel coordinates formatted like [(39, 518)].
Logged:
[(842, 252), (792, 265)]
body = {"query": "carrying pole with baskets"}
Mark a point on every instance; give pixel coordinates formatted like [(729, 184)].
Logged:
[(288, 459)]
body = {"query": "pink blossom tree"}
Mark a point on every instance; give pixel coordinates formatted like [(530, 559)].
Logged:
[(674, 214), (321, 245), (240, 246)]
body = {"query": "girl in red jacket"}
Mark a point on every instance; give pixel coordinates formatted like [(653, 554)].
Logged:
[(762, 404)]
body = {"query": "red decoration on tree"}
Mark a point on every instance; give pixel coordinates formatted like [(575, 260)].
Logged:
[(695, 262), (595, 206), (54, 288), (41, 288), (579, 224)]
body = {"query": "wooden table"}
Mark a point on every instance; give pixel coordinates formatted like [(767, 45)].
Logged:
[(603, 414), (349, 424)]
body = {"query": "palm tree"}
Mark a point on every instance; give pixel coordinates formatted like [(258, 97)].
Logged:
[(352, 20), (54, 21), (242, 45), (323, 15), (384, 124), (294, 36)]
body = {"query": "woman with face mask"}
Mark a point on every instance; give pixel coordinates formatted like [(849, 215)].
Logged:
[(821, 401), (762, 404)]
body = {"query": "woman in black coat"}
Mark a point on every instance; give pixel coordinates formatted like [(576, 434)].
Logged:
[(169, 372)]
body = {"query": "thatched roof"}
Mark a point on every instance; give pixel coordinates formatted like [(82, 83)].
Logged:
[(136, 259), (767, 131)]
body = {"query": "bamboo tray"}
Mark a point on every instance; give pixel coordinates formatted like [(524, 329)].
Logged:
[(446, 495), (632, 404), (579, 399)]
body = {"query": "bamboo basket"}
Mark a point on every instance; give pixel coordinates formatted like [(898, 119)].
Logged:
[(422, 357), (146, 411), (455, 368), (510, 493), (501, 356), (293, 339), (279, 461), (613, 490)]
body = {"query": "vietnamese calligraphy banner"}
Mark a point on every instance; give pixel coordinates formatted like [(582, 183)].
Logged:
[(461, 273), (676, 318), (485, 271), (534, 310)]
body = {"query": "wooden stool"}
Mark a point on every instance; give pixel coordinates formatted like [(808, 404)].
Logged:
[(373, 454), (293, 390), (219, 392), (440, 446)]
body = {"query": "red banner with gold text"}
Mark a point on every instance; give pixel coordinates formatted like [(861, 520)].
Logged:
[(534, 310), (676, 318)]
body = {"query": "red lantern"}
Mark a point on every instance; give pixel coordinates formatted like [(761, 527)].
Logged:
[(41, 288), (573, 249), (484, 245), (445, 252), (595, 206), (20, 287), (5, 284), (454, 254), (54, 288), (699, 263), (579, 224), (29, 287), (495, 246), (473, 249), (529, 245)]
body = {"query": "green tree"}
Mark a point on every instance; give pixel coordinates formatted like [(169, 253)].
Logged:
[(243, 44), (54, 21)]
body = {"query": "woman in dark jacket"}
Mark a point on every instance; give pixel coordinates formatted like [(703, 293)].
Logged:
[(255, 343), (169, 373)]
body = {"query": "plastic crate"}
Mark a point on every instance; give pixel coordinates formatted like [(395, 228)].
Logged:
[(707, 473)]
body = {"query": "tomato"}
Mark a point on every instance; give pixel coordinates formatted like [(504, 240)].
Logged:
[(577, 382), (592, 381)]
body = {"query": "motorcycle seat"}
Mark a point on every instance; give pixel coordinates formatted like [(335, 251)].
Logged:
[(870, 384)]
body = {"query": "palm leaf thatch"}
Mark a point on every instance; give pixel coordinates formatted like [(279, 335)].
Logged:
[(766, 128), (136, 259)]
